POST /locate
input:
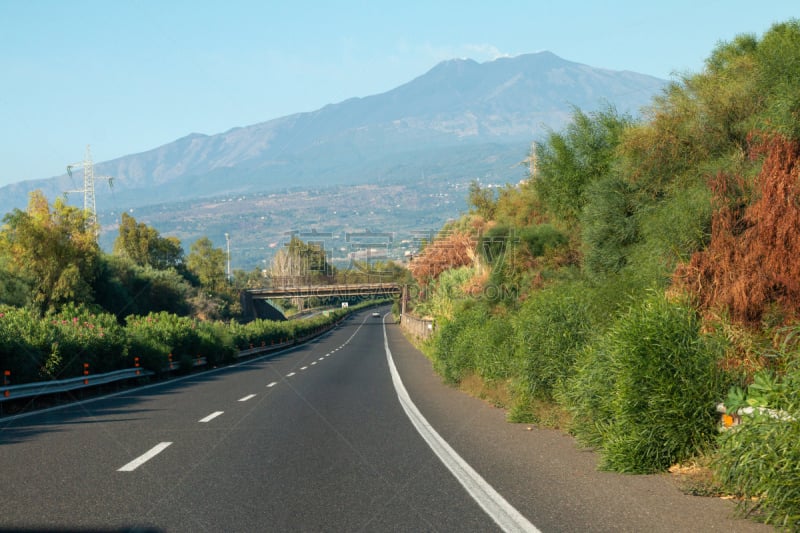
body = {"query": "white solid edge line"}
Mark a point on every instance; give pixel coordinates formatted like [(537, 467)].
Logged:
[(211, 417), (502, 512), (142, 459)]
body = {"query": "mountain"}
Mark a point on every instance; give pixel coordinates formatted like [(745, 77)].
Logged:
[(488, 113)]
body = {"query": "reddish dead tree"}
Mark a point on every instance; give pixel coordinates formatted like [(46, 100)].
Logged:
[(751, 264), (452, 251)]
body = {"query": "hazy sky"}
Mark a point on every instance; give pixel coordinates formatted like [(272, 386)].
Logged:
[(126, 76)]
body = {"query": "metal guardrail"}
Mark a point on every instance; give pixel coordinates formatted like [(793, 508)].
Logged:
[(41, 388), (27, 390)]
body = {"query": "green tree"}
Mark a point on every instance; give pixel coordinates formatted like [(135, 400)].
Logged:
[(207, 263), (144, 246), (778, 60), (569, 161), (13, 290), (483, 200), (300, 262), (54, 250), (125, 288)]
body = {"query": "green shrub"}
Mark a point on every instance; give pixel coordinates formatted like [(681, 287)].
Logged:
[(495, 243), (57, 345), (586, 395), (453, 357), (24, 345), (154, 333), (215, 342), (646, 391), (493, 347), (609, 226), (675, 228), (551, 327), (85, 337), (153, 354), (539, 239), (477, 341), (447, 291)]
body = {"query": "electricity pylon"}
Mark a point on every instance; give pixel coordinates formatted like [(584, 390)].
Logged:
[(532, 161), (89, 205)]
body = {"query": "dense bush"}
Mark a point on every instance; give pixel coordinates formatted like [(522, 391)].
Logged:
[(58, 345), (23, 343), (183, 337), (609, 225), (477, 341), (540, 238), (454, 357), (448, 290), (657, 383), (551, 327), (79, 337)]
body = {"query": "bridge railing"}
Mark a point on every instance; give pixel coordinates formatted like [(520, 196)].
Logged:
[(307, 291)]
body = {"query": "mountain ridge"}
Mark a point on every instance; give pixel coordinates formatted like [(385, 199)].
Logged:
[(458, 102)]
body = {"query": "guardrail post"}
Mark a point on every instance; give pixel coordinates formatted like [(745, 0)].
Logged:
[(169, 358), (136, 365), (6, 382)]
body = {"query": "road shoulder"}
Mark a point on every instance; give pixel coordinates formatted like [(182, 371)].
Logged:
[(543, 472)]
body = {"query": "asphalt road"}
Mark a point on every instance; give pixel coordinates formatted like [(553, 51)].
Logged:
[(318, 439)]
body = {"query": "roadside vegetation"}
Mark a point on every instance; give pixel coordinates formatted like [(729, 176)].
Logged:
[(644, 272), (66, 306)]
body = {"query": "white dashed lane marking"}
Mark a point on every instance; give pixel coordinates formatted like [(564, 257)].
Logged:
[(211, 417), (160, 447), (142, 459)]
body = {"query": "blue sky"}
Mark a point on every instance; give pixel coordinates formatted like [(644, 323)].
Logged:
[(126, 76)]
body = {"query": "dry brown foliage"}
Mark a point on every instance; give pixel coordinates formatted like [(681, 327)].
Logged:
[(476, 284), (451, 251), (751, 265)]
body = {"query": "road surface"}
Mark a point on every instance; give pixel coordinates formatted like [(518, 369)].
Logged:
[(318, 438)]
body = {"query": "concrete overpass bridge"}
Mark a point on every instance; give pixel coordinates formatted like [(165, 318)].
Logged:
[(256, 302)]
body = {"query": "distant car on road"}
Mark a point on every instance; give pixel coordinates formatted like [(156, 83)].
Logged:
[(376, 314)]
